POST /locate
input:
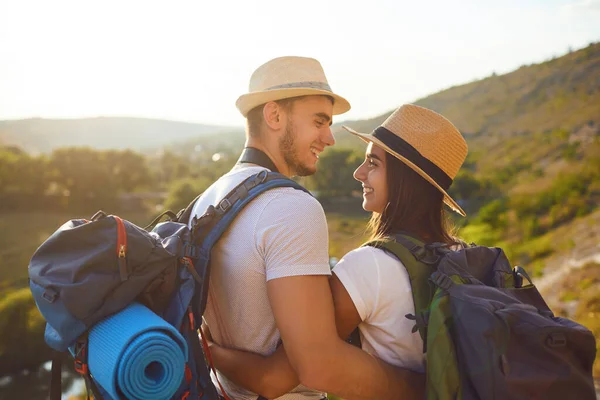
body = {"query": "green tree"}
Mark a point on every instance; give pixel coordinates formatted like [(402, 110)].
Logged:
[(21, 333), (183, 191), (170, 167), (92, 179), (129, 169), (85, 178), (334, 175), (23, 179), (465, 186)]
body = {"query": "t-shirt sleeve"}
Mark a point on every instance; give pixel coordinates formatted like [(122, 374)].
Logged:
[(370, 276), (292, 237), (359, 274)]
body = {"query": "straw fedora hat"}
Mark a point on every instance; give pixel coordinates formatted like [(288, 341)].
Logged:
[(426, 142), (285, 77)]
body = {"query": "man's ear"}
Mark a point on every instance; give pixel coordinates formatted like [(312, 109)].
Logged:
[(272, 114)]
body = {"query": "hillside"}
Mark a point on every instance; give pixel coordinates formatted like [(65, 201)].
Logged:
[(39, 135), (563, 93)]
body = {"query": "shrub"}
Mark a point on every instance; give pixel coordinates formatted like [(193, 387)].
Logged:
[(588, 314), (183, 191), (22, 327)]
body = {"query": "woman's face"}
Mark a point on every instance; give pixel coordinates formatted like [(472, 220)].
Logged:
[(372, 174)]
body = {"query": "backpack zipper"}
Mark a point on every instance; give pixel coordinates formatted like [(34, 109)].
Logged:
[(121, 248)]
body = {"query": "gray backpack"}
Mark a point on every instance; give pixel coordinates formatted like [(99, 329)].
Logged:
[(486, 334)]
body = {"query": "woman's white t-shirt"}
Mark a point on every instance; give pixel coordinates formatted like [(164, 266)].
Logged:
[(379, 286)]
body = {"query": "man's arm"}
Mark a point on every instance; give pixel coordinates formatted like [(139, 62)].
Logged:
[(304, 312), (273, 376)]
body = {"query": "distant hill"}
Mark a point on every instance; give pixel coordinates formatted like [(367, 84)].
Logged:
[(526, 127), (43, 135), (563, 93)]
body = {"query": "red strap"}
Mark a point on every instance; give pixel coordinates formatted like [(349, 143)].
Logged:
[(210, 362), (188, 374)]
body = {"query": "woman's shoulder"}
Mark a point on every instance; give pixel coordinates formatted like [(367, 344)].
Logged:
[(364, 252), (367, 256)]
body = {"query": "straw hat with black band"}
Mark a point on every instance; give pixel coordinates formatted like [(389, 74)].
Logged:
[(425, 141), (286, 77)]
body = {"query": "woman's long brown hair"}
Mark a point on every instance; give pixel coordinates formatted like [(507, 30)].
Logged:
[(414, 206)]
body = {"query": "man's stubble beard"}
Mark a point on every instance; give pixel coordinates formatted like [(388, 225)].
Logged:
[(287, 148)]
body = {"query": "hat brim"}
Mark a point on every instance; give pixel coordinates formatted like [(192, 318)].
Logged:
[(367, 137), (248, 101)]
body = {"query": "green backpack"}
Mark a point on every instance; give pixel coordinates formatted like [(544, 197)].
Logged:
[(486, 335)]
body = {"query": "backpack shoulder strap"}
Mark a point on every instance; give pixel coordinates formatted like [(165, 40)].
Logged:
[(249, 155), (223, 214), (420, 264), (184, 214), (209, 228)]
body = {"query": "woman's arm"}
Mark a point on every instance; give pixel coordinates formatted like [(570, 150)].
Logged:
[(270, 376), (346, 315)]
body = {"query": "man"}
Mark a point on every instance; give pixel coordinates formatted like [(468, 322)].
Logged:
[(270, 270)]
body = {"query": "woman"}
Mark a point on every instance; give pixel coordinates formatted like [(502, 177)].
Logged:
[(409, 165)]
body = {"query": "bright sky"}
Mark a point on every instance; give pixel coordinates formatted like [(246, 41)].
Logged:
[(190, 60)]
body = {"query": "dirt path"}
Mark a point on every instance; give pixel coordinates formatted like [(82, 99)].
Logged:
[(549, 279)]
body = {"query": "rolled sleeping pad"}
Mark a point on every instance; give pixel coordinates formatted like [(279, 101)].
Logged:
[(135, 354)]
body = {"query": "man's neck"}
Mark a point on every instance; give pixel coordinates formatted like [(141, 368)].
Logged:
[(273, 153)]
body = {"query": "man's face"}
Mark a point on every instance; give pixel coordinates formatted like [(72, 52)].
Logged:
[(307, 133)]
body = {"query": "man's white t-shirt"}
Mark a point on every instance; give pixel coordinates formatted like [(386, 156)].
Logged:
[(281, 233), (380, 289)]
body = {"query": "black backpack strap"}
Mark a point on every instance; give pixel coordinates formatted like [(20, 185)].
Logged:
[(55, 376), (80, 355), (172, 216), (90, 386), (185, 214), (207, 229), (251, 155)]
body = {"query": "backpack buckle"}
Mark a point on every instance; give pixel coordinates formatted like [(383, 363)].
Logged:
[(81, 367), (441, 280), (421, 320), (261, 177), (80, 356), (49, 295), (224, 205), (430, 258), (425, 255)]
